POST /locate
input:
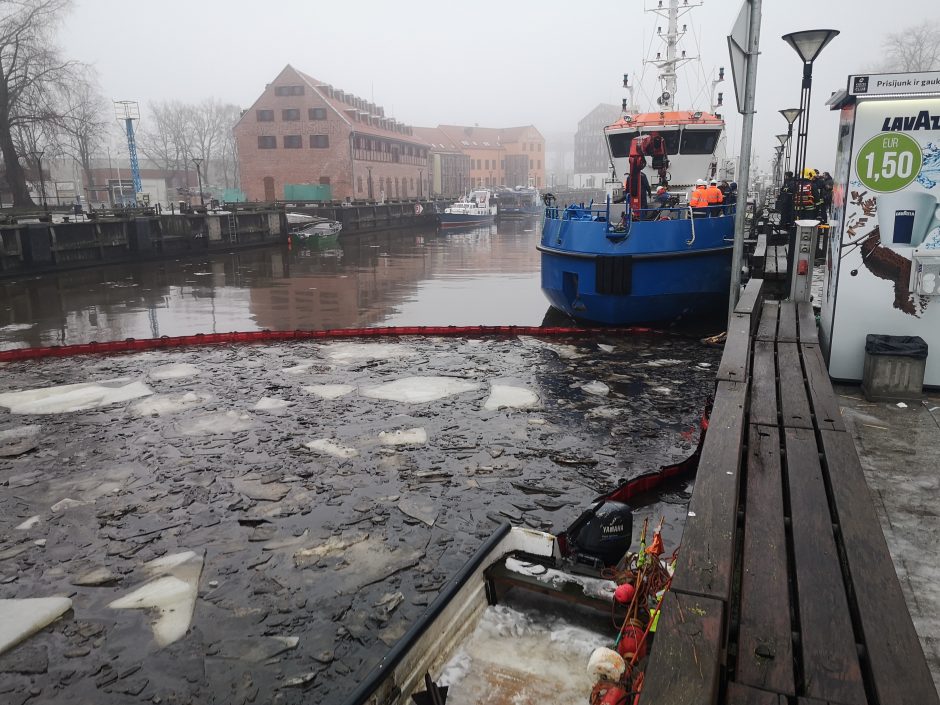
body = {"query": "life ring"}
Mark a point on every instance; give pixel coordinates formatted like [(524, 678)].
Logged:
[(418, 209)]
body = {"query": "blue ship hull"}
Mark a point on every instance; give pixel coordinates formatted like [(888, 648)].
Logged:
[(655, 272), (459, 220)]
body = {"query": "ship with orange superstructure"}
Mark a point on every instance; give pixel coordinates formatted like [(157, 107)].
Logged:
[(635, 258)]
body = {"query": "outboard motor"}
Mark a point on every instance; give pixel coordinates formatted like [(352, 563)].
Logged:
[(601, 536)]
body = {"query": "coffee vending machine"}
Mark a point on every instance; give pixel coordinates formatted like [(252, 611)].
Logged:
[(883, 262)]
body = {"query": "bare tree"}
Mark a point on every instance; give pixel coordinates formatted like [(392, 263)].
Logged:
[(165, 137), (83, 123), (30, 72), (914, 48)]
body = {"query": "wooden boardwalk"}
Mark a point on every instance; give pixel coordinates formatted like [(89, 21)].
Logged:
[(785, 592)]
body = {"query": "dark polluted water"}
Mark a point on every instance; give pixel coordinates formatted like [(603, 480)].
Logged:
[(305, 501)]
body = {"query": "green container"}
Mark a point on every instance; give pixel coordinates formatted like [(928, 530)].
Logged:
[(307, 192)]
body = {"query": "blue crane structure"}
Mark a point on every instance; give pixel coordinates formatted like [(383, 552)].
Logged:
[(129, 111)]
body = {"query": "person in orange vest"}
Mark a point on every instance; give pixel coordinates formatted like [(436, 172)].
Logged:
[(698, 200), (714, 197)]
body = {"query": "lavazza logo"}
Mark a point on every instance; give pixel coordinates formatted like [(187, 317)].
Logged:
[(908, 123)]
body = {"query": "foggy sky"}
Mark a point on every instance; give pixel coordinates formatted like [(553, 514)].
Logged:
[(505, 63)]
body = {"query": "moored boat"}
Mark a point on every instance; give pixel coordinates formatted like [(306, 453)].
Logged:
[(519, 202), (635, 259), (478, 208), (317, 230)]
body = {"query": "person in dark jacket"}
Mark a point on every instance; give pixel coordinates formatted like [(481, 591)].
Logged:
[(784, 204)]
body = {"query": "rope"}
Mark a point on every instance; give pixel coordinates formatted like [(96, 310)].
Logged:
[(271, 336)]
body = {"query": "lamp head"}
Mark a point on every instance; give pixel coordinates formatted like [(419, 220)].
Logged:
[(791, 114), (808, 44), (783, 140)]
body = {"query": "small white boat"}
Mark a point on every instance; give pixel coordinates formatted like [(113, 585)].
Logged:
[(321, 228), (479, 208)]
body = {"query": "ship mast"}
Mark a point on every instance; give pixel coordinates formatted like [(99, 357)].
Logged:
[(674, 58)]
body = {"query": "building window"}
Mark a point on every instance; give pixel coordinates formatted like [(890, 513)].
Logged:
[(539, 145), (540, 164), (523, 146), (265, 115), (267, 142), (478, 164), (502, 163), (358, 184), (324, 181), (316, 114), (288, 90), (293, 142), (319, 141), (290, 114)]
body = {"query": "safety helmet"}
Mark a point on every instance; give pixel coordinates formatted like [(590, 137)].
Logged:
[(661, 189), (713, 182), (700, 182), (808, 174)]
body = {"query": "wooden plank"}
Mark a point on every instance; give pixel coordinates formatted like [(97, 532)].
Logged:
[(705, 561), (751, 298), (734, 359), (794, 404), (767, 328), (758, 258), (895, 658), (806, 318), (830, 666), (764, 385), (786, 329), (765, 643), (739, 694), (683, 666), (822, 398)]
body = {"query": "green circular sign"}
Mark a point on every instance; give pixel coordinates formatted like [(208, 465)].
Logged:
[(889, 161)]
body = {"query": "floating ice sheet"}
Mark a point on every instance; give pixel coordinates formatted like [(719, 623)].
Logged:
[(349, 353), (565, 352), (329, 447), (28, 524), (220, 422), (73, 397), (20, 619), (507, 396), (329, 391), (272, 404), (16, 327), (177, 371), (166, 404), (298, 369), (593, 587), (172, 596), (404, 437), (417, 390), (664, 362), (19, 440), (596, 387)]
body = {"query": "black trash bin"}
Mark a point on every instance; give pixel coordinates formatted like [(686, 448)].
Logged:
[(894, 367)]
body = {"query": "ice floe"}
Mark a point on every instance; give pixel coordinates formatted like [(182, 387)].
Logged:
[(424, 510), (219, 422), (271, 404), (177, 371), (329, 391), (350, 353), (596, 387), (605, 348), (172, 595), (16, 327), (73, 397), (565, 352), (67, 503), (404, 437), (329, 447), (298, 369), (28, 524), (508, 396), (334, 545), (416, 390), (166, 404), (22, 618), (19, 440), (664, 362)]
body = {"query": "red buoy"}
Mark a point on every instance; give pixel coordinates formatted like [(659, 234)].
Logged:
[(624, 593)]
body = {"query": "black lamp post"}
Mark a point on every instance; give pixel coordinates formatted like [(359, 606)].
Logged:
[(37, 155), (197, 161), (807, 45), (790, 115), (371, 198), (420, 184)]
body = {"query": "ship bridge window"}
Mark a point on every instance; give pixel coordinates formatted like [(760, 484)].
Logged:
[(620, 143), (699, 141)]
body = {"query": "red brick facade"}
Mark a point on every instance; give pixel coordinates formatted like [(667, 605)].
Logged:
[(303, 131)]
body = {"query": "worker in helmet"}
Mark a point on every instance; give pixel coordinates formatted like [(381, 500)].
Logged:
[(698, 200), (714, 197)]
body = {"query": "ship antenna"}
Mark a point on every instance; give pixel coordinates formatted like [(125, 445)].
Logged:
[(671, 11)]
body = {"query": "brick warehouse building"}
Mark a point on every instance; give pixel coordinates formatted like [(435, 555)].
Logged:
[(302, 133)]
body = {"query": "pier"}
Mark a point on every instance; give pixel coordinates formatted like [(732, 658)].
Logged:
[(785, 590)]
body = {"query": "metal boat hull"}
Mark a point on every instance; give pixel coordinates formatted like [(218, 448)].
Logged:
[(653, 274)]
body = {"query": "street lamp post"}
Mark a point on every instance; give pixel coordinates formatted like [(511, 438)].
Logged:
[(420, 184), (37, 155), (784, 145), (807, 45), (198, 161), (790, 115), (371, 197)]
